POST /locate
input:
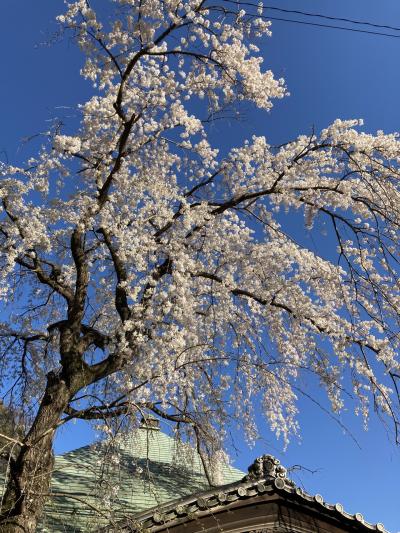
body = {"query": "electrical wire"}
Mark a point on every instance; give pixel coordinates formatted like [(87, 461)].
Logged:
[(319, 15), (340, 19), (331, 26)]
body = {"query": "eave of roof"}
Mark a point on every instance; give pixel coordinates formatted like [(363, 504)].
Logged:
[(269, 478)]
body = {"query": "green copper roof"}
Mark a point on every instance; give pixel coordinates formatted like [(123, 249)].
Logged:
[(150, 469)]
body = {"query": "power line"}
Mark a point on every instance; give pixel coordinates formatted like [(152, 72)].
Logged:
[(319, 15), (340, 19), (332, 26)]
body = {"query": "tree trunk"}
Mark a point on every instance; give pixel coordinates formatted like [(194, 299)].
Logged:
[(30, 473)]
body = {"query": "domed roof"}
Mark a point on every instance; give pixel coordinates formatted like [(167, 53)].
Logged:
[(108, 481)]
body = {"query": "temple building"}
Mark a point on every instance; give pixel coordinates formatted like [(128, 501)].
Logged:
[(264, 501), (149, 483)]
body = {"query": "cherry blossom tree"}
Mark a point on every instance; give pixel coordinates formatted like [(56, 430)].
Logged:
[(147, 272)]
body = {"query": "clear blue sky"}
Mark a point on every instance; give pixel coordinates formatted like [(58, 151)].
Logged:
[(330, 74)]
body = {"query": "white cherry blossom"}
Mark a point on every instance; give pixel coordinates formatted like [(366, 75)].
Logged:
[(145, 271)]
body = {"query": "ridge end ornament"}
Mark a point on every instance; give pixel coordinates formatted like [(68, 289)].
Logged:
[(266, 467)]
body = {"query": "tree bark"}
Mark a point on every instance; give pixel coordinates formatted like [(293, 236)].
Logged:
[(30, 472)]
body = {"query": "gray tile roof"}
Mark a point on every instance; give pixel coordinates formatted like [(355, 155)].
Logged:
[(149, 470)]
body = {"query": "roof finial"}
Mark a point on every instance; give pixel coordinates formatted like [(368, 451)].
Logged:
[(150, 422), (266, 467)]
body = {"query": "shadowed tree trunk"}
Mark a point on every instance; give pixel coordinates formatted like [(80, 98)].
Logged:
[(30, 472)]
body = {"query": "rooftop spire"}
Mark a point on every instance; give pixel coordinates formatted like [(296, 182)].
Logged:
[(150, 422)]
